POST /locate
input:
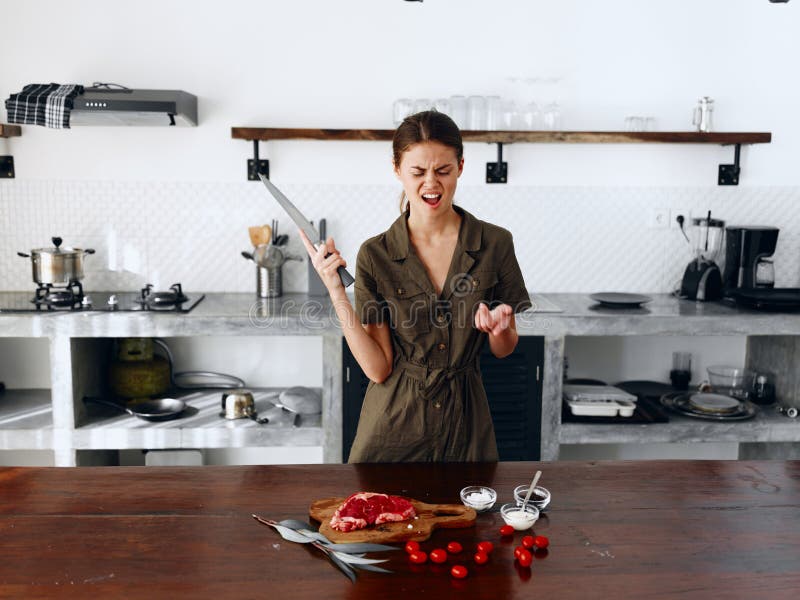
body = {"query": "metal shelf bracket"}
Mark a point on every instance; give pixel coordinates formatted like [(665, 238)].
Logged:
[(497, 172), (256, 166), (6, 167), (729, 174)]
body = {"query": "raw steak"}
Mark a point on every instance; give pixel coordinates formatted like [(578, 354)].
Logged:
[(368, 508)]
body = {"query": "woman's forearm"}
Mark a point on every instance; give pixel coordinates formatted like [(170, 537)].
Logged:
[(365, 349)]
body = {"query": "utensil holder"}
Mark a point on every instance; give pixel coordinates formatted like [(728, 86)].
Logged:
[(269, 282)]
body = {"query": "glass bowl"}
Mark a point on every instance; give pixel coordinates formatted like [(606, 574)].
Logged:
[(478, 497), (734, 381), (518, 518), (540, 497)]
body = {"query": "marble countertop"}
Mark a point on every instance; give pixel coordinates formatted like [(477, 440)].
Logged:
[(554, 315)]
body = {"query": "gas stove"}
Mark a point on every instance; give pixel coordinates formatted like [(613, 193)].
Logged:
[(71, 298)]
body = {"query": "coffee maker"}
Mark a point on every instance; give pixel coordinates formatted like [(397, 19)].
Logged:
[(702, 279), (745, 248)]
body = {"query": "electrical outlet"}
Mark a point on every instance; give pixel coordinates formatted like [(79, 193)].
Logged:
[(659, 218), (687, 218)]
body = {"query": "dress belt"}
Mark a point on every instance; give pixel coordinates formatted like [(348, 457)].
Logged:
[(442, 377)]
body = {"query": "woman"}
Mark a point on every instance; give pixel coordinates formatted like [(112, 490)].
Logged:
[(429, 291)]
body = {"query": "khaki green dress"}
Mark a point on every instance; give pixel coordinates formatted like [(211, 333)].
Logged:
[(433, 406)]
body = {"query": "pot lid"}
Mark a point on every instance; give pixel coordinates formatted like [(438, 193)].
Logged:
[(57, 249)]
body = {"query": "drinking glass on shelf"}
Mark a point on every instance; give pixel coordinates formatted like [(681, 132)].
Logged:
[(458, 111), (421, 104), (531, 117), (494, 107), (442, 105), (509, 115), (649, 123), (634, 123), (551, 117), (476, 113), (401, 108)]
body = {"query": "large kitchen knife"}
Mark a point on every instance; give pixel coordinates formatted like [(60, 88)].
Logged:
[(303, 224)]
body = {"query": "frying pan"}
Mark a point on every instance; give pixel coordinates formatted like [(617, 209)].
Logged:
[(149, 410)]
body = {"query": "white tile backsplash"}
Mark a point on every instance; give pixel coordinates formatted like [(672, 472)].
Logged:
[(567, 239)]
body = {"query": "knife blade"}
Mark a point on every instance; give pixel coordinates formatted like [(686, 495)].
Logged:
[(303, 223)]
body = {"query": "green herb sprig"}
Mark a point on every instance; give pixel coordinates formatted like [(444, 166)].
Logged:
[(347, 557)]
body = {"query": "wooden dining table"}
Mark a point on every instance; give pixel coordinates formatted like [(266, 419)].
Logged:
[(627, 529)]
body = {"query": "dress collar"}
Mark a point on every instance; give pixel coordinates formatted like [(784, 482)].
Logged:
[(398, 243)]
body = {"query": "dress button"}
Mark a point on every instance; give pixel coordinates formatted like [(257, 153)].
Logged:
[(437, 404), (442, 347), (475, 283), (400, 291), (440, 318)]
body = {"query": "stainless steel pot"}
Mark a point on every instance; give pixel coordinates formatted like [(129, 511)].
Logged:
[(57, 265), (240, 404)]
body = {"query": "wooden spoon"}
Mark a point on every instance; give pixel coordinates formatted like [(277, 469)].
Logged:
[(260, 235)]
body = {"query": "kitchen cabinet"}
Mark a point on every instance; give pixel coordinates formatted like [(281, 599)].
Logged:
[(78, 346), (513, 388), (73, 344)]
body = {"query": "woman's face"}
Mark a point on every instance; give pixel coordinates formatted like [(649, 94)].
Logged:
[(429, 172)]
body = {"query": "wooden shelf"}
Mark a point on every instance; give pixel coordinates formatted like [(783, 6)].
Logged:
[(7, 131), (507, 137)]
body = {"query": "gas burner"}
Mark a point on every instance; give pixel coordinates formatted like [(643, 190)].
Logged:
[(52, 297), (166, 300)]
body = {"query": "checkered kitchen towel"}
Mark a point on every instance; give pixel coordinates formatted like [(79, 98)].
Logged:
[(45, 104)]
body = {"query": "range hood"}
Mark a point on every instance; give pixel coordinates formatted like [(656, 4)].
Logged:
[(107, 106)]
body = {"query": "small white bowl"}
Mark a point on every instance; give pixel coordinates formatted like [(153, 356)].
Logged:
[(470, 496), (519, 518), (540, 497)]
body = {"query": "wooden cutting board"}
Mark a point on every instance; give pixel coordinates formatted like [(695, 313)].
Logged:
[(431, 516)]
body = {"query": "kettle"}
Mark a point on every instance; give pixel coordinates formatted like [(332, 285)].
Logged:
[(701, 118)]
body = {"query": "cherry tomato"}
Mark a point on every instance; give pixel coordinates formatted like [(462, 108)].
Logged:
[(438, 556), (506, 530), (418, 557), (525, 558), (481, 558), (527, 541), (485, 547), (454, 548), (517, 550), (541, 541), (459, 571), (412, 546)]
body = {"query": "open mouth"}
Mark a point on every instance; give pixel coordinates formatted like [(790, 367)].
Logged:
[(432, 199)]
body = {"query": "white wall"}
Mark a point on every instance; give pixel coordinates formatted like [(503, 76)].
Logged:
[(319, 63), (144, 197)]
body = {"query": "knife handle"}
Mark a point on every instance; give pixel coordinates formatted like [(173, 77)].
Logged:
[(346, 278)]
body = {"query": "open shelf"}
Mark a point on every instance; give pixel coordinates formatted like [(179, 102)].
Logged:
[(26, 420), (7, 131), (507, 137), (200, 427), (766, 426), (497, 172)]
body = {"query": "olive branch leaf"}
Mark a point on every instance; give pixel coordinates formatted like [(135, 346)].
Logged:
[(347, 557)]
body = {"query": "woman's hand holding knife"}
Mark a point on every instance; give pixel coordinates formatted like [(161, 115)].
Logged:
[(326, 260)]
